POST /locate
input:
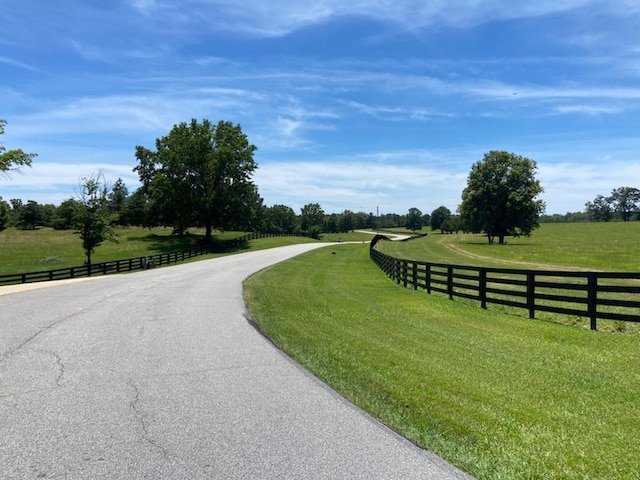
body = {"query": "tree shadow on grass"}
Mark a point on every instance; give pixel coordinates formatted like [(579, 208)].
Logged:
[(175, 243), (171, 243)]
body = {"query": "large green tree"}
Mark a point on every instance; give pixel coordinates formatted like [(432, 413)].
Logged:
[(599, 210), (311, 215), (414, 219), (280, 219), (500, 198), (31, 215), (10, 159), (200, 173), (347, 221), (625, 201), (439, 216)]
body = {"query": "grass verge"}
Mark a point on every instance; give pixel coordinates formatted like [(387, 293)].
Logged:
[(499, 396)]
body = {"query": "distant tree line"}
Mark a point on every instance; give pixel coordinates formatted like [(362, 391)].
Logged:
[(132, 209), (200, 175), (623, 204)]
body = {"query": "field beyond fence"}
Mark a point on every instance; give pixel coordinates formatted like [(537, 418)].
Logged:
[(592, 295), (131, 264)]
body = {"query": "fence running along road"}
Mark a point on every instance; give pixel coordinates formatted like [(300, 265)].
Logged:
[(131, 264), (592, 295)]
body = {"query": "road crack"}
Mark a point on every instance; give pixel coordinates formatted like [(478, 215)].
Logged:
[(134, 406), (7, 354), (59, 364)]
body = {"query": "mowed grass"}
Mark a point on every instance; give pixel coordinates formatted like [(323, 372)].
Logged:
[(612, 246), (500, 396), (47, 249)]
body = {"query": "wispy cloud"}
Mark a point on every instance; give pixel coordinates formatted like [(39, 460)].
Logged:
[(397, 113), (16, 63), (280, 17), (587, 109)]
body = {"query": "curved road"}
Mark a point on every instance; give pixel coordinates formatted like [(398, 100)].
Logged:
[(158, 375)]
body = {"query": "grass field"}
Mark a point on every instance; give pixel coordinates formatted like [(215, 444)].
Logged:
[(500, 396), (591, 246), (45, 249)]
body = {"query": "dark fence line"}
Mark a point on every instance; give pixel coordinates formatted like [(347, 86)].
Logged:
[(131, 264), (593, 295)]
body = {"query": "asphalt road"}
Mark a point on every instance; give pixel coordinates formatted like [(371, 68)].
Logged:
[(158, 375)]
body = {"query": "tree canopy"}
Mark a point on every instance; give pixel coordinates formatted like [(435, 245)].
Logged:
[(10, 159), (625, 201), (500, 196), (414, 219), (439, 216), (311, 215), (599, 210), (200, 173), (92, 219)]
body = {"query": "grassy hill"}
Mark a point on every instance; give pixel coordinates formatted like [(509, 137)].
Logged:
[(593, 246)]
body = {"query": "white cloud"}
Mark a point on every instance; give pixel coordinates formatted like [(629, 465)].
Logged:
[(53, 182), (361, 183), (587, 109)]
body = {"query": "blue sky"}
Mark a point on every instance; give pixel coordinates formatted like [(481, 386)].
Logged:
[(354, 105)]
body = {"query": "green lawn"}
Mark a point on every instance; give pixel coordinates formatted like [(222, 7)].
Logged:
[(46, 249), (500, 396), (593, 246)]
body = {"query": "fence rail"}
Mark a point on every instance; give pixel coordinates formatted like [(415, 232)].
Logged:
[(131, 264), (593, 295)]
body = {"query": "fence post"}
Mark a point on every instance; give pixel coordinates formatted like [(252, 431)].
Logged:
[(405, 272), (415, 275), (482, 287), (531, 293), (427, 277), (450, 281), (592, 299)]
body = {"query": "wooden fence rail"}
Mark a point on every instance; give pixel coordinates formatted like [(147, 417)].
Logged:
[(131, 264), (593, 295)]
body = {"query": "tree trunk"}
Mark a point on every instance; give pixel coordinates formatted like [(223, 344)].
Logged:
[(207, 232)]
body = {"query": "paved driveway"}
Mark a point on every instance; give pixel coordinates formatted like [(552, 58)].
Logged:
[(158, 375)]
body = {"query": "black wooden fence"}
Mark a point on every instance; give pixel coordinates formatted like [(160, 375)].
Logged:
[(131, 264), (592, 295)]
